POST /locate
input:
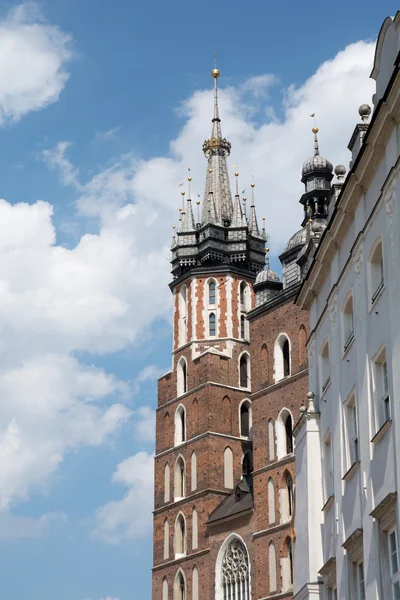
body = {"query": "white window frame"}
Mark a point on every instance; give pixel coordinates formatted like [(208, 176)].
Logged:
[(376, 272), (394, 576), (211, 308), (382, 400), (325, 365), (347, 321), (351, 431)]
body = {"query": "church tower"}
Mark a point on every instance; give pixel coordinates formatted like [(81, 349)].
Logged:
[(203, 424)]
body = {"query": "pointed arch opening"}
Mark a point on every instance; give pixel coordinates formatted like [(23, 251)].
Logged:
[(195, 530), (284, 434), (228, 468), (182, 321), (195, 584), (302, 346), (271, 501), (287, 566), (244, 370), (245, 418), (212, 293), (282, 363), (180, 536), (166, 483), (180, 586), (247, 463), (193, 478), (181, 378), (232, 573), (165, 589), (180, 425), (286, 497), (271, 440), (272, 567), (179, 479), (166, 539), (264, 364), (212, 331)]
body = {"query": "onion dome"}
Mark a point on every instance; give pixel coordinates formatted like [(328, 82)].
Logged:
[(317, 162)]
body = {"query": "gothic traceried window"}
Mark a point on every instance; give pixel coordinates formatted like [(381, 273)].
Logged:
[(235, 572)]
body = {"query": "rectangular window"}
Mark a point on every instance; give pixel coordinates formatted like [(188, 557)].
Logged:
[(351, 423), (394, 568), (328, 474), (360, 582), (382, 397)]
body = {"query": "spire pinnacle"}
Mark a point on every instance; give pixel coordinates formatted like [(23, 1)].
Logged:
[(316, 148)]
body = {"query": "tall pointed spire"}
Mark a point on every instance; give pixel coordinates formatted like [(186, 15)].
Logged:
[(216, 149), (316, 148), (237, 216), (253, 225)]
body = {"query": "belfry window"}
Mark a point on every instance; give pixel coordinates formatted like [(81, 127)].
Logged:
[(180, 587), (235, 572), (282, 357), (211, 325), (245, 419), (242, 327), (289, 434), (244, 371), (180, 537), (180, 425), (286, 358), (211, 292), (247, 463)]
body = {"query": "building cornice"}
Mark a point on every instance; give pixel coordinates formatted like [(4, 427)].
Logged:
[(384, 119), (190, 498), (279, 384), (199, 437), (176, 561), (245, 391)]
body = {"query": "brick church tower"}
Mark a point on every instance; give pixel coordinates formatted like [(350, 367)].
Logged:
[(224, 472)]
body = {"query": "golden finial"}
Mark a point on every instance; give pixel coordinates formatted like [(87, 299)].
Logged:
[(210, 170), (198, 202), (180, 209), (266, 249), (215, 71), (244, 199), (253, 185), (236, 174), (182, 192), (189, 179), (310, 220), (173, 226), (315, 129)]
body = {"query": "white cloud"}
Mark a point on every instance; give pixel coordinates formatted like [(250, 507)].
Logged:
[(33, 55), (104, 293), (108, 135), (145, 424), (130, 517)]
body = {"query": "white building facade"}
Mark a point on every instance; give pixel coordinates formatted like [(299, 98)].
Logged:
[(348, 436)]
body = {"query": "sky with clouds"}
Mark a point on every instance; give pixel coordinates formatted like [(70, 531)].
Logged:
[(103, 109)]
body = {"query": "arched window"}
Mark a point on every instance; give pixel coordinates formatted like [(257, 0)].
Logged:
[(195, 584), (211, 325), (244, 370), (289, 434), (180, 536), (228, 468), (193, 478), (242, 293), (245, 419), (242, 327), (179, 586), (247, 463), (165, 589), (179, 479), (271, 440), (180, 425), (272, 567), (282, 357), (227, 413), (302, 345), (286, 498), (284, 433), (182, 321), (195, 533), (348, 322), (166, 540), (264, 363), (181, 378), (235, 572), (166, 483), (376, 271), (195, 416), (324, 365), (271, 502), (211, 293), (287, 566), (167, 431)]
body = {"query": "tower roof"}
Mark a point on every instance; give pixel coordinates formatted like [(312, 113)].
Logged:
[(216, 149), (316, 162)]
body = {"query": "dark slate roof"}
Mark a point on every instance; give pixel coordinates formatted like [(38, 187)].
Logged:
[(239, 501)]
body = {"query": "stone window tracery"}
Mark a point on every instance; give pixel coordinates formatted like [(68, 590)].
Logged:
[(235, 572)]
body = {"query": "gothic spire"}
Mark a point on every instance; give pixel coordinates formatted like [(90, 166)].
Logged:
[(216, 149), (253, 225), (316, 148)]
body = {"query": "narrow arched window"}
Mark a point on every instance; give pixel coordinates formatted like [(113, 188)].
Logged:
[(211, 325), (181, 378), (243, 294), (376, 272), (271, 440), (228, 468), (193, 485), (289, 489), (180, 425), (179, 479), (211, 293), (264, 374), (286, 358), (271, 502), (325, 366), (182, 321), (166, 483), (348, 323), (195, 584), (287, 566), (166, 540), (289, 434), (244, 371), (245, 419), (302, 345), (247, 463), (165, 589), (243, 327), (180, 536), (235, 572), (272, 567), (179, 587), (195, 532)]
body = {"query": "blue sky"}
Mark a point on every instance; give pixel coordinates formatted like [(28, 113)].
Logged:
[(103, 108)]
